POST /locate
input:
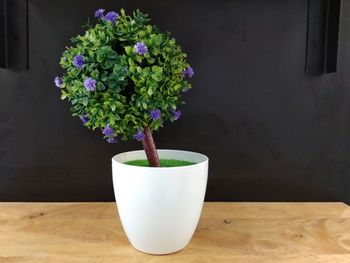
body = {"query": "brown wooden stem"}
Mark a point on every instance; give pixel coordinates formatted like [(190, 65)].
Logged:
[(150, 148)]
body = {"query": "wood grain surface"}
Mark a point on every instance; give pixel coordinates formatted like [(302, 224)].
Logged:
[(227, 232)]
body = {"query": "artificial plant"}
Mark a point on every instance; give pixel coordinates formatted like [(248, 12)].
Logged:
[(125, 77)]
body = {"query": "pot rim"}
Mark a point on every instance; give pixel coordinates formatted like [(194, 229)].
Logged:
[(204, 157)]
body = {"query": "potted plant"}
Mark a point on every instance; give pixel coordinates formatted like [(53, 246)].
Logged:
[(126, 78)]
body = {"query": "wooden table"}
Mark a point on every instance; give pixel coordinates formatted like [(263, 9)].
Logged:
[(227, 232)]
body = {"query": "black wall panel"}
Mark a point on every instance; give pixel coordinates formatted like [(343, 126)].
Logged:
[(272, 133)]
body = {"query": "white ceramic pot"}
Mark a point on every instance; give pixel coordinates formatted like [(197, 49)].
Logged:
[(160, 207)]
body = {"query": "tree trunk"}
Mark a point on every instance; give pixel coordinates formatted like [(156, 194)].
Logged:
[(150, 148)]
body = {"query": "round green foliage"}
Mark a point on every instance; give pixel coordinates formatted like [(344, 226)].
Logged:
[(111, 81)]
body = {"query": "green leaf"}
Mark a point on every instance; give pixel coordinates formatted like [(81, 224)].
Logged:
[(128, 50)]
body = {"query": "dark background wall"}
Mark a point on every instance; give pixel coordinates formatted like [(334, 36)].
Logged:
[(271, 132)]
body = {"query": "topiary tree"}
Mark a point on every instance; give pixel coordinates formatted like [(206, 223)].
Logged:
[(125, 77)]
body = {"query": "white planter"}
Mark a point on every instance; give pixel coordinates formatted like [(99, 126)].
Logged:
[(160, 207)]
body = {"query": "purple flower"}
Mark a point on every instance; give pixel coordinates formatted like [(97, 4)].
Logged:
[(78, 61), (84, 118), (140, 48), (111, 16), (176, 114), (99, 13), (90, 84), (155, 114), (58, 82), (188, 72), (111, 139), (108, 130), (139, 135)]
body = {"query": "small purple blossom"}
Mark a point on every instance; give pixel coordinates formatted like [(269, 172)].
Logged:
[(99, 13), (188, 72), (111, 16), (108, 130), (84, 118), (139, 135), (140, 48), (90, 84), (58, 82), (78, 61), (155, 114), (111, 139), (176, 114)]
